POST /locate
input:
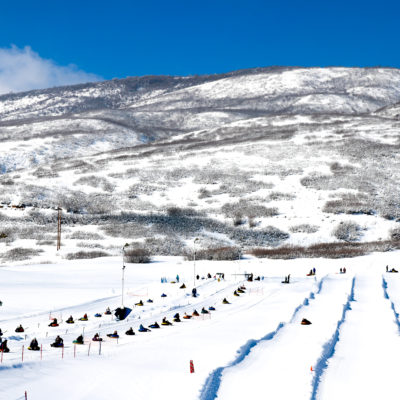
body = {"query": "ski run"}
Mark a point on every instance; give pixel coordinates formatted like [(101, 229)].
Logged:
[(256, 347)]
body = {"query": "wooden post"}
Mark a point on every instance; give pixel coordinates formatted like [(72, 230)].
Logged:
[(22, 357), (41, 352), (74, 350), (90, 343), (62, 352)]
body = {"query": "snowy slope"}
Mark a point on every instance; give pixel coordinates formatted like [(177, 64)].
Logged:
[(252, 347)]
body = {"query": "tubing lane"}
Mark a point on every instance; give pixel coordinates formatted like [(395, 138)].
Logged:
[(215, 380), (364, 360)]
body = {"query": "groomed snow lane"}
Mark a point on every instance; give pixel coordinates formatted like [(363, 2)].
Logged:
[(365, 361), (280, 368)]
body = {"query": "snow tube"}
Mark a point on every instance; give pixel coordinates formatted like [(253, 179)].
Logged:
[(6, 350), (83, 319), (203, 311), (166, 323), (163, 295), (154, 326), (305, 321), (129, 333), (177, 319), (139, 304), (34, 348), (143, 329), (113, 336), (225, 301), (57, 345), (53, 325), (97, 315), (183, 286), (211, 308), (122, 312), (107, 312), (97, 339), (187, 316), (195, 313), (149, 300), (19, 330), (76, 342), (70, 322)]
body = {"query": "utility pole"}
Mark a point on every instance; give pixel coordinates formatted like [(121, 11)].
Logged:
[(59, 228)]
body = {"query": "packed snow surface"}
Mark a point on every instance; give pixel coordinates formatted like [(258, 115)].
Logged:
[(255, 347)]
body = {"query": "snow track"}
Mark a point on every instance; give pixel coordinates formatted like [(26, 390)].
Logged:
[(292, 351), (213, 382), (365, 359)]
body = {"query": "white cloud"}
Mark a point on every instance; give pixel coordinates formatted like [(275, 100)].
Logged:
[(23, 69)]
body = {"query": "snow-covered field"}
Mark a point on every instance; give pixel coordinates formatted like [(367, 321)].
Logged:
[(253, 348)]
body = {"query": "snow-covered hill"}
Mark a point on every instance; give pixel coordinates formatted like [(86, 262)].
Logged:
[(256, 158)]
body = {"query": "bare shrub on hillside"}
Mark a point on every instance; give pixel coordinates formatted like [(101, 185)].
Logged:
[(137, 256), (326, 250), (90, 245), (166, 246), (248, 209), (281, 196), (20, 254), (174, 211), (350, 204), (341, 169), (86, 255), (204, 193), (95, 181), (304, 228), (84, 235), (215, 254), (395, 234), (348, 231)]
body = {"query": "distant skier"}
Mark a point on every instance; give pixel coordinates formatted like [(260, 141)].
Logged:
[(177, 278)]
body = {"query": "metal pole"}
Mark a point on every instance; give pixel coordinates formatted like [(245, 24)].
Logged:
[(194, 262), (123, 275)]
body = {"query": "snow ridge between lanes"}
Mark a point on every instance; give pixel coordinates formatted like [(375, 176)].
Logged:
[(329, 347), (386, 295), (213, 382)]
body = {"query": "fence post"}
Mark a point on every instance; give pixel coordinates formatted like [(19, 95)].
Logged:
[(2, 356), (41, 352), (26, 395), (22, 357), (99, 348), (90, 343), (62, 351), (74, 350)]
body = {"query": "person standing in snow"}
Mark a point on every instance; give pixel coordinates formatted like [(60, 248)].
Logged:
[(177, 278)]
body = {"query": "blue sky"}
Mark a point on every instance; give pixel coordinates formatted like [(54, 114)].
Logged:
[(126, 38)]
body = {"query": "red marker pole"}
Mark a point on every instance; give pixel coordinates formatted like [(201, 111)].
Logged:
[(191, 367), (41, 352), (2, 356), (26, 395)]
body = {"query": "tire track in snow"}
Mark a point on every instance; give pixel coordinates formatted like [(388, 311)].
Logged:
[(386, 295), (328, 349), (213, 382)]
